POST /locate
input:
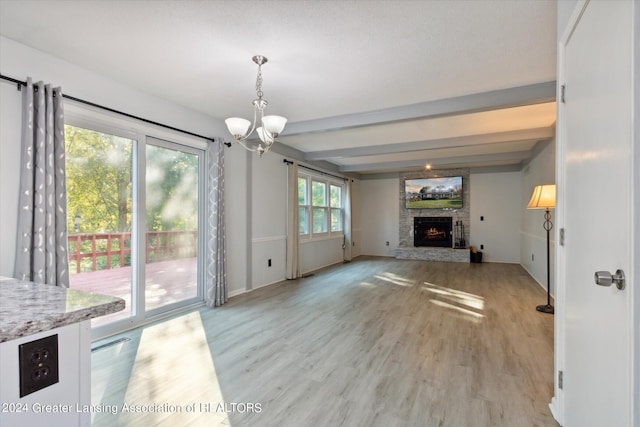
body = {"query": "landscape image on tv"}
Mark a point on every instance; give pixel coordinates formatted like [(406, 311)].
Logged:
[(433, 193)]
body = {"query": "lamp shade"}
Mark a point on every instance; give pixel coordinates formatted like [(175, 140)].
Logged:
[(274, 124), (237, 126), (543, 197)]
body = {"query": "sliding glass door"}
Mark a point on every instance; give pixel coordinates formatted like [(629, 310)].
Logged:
[(135, 221)]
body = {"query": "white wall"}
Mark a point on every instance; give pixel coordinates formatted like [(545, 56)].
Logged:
[(356, 215), (19, 61), (379, 216), (533, 237), (497, 198), (237, 218), (269, 218), (320, 253)]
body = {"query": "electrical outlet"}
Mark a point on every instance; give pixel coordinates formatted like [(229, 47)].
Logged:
[(38, 362), (481, 246), (269, 263), (387, 244), (532, 257)]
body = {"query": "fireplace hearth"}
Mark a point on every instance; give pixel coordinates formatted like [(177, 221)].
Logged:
[(432, 231)]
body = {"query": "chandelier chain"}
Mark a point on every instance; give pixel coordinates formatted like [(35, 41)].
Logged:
[(259, 82)]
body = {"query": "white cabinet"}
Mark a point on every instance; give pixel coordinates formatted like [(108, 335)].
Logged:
[(66, 403)]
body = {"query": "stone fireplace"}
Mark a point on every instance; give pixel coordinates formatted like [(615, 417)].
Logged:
[(435, 243), (432, 231)]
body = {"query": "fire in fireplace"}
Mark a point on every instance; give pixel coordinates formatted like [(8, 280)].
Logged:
[(432, 231)]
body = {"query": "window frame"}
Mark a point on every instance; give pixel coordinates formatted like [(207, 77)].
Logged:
[(143, 134), (327, 207)]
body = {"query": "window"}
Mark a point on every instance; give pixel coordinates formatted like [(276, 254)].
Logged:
[(336, 207), (303, 203), (321, 206)]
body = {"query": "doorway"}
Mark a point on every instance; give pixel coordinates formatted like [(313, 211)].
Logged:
[(135, 221)]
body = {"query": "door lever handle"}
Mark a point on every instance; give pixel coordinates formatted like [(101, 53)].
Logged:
[(605, 278)]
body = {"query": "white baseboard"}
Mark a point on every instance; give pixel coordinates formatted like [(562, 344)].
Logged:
[(236, 293), (543, 286), (245, 291), (555, 412)]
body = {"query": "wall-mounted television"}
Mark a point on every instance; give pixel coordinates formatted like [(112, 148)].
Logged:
[(433, 193)]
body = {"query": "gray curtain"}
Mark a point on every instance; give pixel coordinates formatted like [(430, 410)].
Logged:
[(216, 253), (41, 244), (293, 232)]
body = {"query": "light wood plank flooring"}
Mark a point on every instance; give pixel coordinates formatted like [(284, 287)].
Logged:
[(375, 342)]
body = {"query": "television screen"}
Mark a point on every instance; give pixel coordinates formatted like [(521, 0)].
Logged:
[(433, 193)]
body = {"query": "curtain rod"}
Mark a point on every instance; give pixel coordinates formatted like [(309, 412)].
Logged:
[(289, 162), (21, 83)]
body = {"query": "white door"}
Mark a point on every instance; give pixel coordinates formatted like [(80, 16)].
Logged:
[(595, 200)]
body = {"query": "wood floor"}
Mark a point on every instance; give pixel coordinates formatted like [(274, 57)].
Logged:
[(375, 342)]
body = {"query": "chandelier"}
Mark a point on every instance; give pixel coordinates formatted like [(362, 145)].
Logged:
[(270, 126)]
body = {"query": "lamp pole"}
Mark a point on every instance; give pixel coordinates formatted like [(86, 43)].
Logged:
[(548, 225)]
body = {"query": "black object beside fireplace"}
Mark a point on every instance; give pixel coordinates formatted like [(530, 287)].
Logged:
[(432, 231)]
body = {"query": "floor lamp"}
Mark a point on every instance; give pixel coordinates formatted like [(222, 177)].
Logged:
[(544, 197)]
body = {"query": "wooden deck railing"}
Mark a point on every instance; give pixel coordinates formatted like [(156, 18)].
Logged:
[(113, 250)]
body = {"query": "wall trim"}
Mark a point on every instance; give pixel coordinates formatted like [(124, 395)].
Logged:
[(552, 240), (305, 240), (268, 239)]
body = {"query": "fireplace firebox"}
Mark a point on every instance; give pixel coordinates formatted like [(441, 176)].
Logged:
[(432, 231)]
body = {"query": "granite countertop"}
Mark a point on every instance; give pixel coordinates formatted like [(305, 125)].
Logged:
[(27, 308)]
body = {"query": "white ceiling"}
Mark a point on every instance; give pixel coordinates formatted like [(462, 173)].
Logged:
[(370, 86)]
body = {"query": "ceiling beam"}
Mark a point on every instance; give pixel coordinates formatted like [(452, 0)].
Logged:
[(516, 156), (295, 154), (503, 98), (543, 133)]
